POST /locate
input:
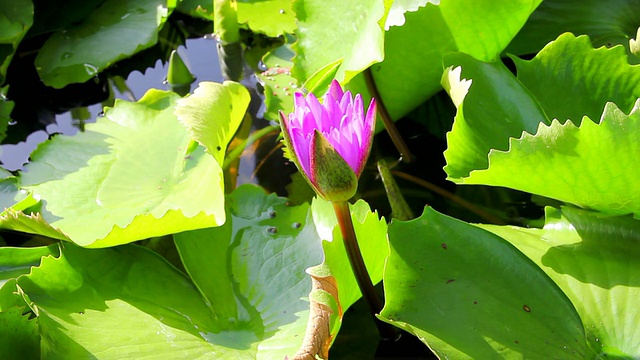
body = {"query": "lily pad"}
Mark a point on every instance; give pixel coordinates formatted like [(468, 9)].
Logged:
[(130, 176), (112, 32), (593, 259), (271, 17), (468, 294)]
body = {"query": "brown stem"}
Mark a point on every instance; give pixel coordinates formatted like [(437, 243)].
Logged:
[(451, 196), (387, 331), (402, 147)]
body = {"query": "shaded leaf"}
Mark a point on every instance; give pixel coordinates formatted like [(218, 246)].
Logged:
[(16, 17), (580, 17), (468, 294), (113, 31), (19, 336), (16, 261), (594, 259), (129, 176)]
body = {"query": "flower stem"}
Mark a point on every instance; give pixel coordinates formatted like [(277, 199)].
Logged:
[(387, 331), (402, 147)]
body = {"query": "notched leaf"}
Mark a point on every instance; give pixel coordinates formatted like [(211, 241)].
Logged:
[(324, 305)]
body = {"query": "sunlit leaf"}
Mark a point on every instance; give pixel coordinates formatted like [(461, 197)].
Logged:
[(112, 32), (594, 260), (252, 269), (468, 294), (413, 52), (123, 302), (213, 113), (593, 166), (129, 176), (270, 17), (332, 30), (568, 79)]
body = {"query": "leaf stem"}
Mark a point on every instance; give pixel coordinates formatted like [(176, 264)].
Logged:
[(402, 147), (255, 136), (387, 331)]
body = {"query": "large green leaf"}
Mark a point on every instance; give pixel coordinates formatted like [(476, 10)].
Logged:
[(568, 79), (16, 17), (605, 22), (19, 337), (112, 32), (594, 260), (479, 128), (124, 302), (592, 165), (252, 269), (129, 176), (335, 29), (249, 300), (470, 295), (213, 113), (412, 66)]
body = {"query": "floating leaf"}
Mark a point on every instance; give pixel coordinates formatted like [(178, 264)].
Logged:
[(470, 295), (112, 32), (129, 176), (279, 85), (593, 166), (594, 259), (213, 113)]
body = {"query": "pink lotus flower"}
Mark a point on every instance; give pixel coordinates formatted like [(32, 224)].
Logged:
[(322, 138)]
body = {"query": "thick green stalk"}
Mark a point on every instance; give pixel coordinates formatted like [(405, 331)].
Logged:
[(387, 331)]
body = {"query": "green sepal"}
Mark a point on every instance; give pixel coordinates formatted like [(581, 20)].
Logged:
[(331, 176)]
